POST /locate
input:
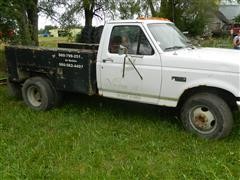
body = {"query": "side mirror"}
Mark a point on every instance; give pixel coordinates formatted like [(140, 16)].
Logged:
[(185, 32), (122, 50)]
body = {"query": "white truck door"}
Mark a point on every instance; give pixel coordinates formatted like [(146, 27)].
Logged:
[(140, 78)]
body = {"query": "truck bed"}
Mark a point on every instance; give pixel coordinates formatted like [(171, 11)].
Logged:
[(69, 69)]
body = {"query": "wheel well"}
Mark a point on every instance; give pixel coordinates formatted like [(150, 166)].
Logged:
[(228, 97), (42, 75), (37, 74)]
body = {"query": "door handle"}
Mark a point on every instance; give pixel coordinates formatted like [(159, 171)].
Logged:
[(108, 59), (136, 56)]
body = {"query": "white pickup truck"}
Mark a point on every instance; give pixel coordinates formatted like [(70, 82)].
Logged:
[(147, 61)]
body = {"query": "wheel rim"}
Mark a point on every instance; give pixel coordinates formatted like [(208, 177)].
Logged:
[(203, 119), (34, 96)]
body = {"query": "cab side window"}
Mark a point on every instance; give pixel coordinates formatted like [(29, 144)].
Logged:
[(131, 37)]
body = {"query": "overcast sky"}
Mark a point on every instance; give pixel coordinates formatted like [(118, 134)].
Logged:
[(43, 21)]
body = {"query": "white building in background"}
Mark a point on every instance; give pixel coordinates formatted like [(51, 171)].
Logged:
[(229, 2), (230, 9)]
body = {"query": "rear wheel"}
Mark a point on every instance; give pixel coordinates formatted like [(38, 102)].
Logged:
[(207, 115), (38, 94)]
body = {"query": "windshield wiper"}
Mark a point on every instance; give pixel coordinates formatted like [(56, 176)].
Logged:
[(173, 48), (190, 45)]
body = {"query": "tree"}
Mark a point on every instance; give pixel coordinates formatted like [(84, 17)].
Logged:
[(7, 27), (189, 15), (126, 8), (24, 14), (237, 19), (154, 8), (75, 9), (129, 9), (49, 27)]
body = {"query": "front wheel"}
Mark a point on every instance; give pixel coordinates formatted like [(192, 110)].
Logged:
[(207, 115)]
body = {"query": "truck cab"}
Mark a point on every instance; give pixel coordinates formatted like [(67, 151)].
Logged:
[(138, 76), (161, 63)]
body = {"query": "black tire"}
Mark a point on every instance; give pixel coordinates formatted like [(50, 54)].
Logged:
[(38, 94), (207, 115), (14, 89), (58, 96)]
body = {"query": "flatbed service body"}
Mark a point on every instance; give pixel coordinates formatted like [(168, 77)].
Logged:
[(72, 70)]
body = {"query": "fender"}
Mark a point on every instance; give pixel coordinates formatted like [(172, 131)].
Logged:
[(216, 83), (204, 82)]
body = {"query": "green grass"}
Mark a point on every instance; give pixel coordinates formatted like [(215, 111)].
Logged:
[(92, 137), (225, 42), (99, 138), (52, 41)]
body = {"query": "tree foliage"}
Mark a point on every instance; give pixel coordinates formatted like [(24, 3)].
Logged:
[(74, 10), (23, 15), (7, 26), (237, 19), (46, 29), (188, 15), (125, 9)]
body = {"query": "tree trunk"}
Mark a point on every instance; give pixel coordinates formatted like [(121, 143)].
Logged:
[(88, 17), (27, 19), (88, 6), (32, 12), (22, 20), (153, 11)]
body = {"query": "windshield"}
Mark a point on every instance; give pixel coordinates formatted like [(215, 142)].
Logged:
[(168, 36)]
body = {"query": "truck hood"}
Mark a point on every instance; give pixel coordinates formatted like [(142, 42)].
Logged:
[(212, 59)]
